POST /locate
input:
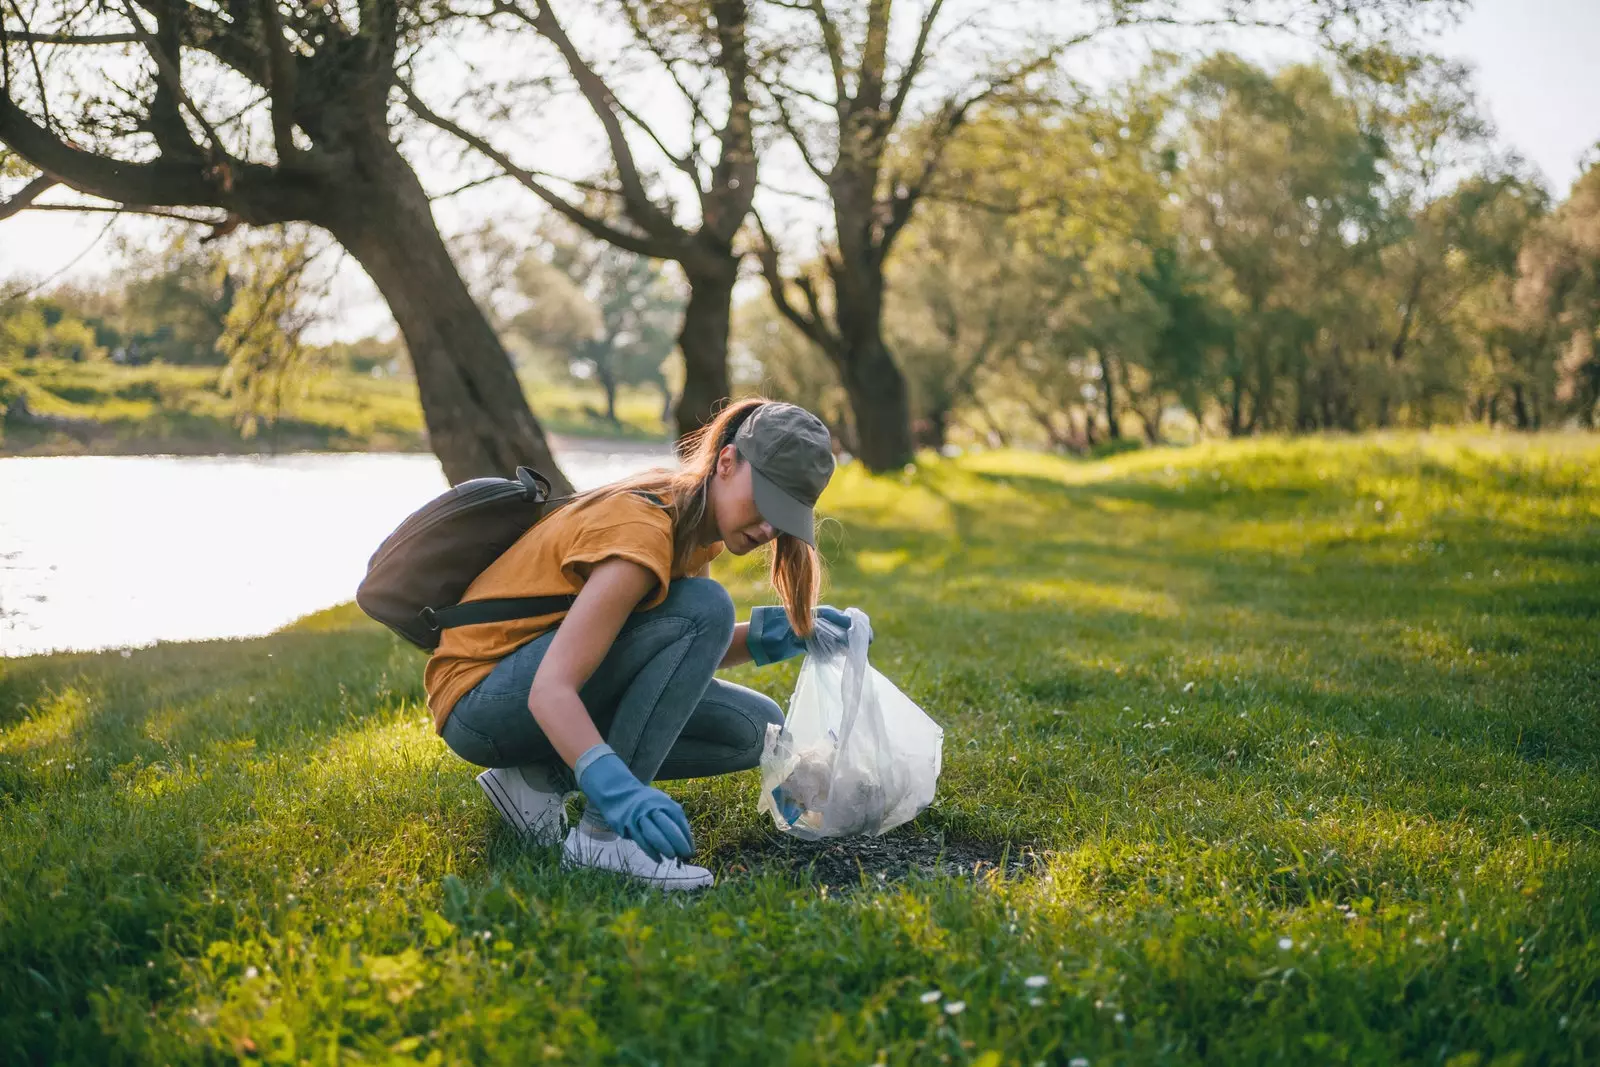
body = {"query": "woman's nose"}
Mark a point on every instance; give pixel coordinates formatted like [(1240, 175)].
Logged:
[(765, 533)]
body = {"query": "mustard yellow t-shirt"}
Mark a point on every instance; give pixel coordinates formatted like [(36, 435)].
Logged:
[(552, 559)]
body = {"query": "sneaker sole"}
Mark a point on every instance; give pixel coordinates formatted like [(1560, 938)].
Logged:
[(538, 835), (572, 863)]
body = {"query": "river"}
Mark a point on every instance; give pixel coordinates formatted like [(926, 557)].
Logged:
[(116, 551)]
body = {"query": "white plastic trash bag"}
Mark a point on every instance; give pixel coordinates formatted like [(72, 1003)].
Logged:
[(855, 755)]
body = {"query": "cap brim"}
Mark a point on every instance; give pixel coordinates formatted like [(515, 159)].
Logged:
[(785, 513)]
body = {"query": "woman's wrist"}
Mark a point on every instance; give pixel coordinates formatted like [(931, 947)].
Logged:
[(589, 756)]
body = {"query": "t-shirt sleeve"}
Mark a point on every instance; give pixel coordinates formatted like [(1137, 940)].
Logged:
[(615, 532)]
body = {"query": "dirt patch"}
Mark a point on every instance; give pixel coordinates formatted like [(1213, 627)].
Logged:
[(844, 863)]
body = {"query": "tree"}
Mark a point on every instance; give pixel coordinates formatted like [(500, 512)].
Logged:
[(1558, 295), (609, 314), (1426, 112), (702, 48), (263, 337), (1282, 190), (266, 113), (874, 127), (173, 306)]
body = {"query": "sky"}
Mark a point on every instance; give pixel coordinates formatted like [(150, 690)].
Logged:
[(1536, 74)]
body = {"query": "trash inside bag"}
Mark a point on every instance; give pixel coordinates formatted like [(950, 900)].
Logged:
[(855, 755)]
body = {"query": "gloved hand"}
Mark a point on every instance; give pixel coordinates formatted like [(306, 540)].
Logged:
[(771, 639), (637, 811)]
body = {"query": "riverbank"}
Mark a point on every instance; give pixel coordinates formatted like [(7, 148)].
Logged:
[(1255, 752), (62, 408)]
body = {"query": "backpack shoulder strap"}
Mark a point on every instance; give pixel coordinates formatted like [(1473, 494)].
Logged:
[(497, 609)]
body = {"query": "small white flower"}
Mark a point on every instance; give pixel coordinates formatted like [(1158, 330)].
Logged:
[(1078, 1061), (1188, 687), (1035, 1002), (1286, 943), (955, 1007), (1119, 1017), (1497, 572), (1036, 981), (251, 972), (930, 996)]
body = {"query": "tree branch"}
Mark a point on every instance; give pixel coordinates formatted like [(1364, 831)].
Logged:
[(131, 209), (281, 81), (605, 106), (913, 67), (643, 245), (813, 326), (787, 122), (834, 47), (76, 39), (25, 196), (249, 189)]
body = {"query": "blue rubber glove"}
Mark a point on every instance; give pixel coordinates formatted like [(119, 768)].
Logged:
[(771, 639), (640, 813)]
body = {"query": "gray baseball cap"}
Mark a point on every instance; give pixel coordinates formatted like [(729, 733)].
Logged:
[(791, 459)]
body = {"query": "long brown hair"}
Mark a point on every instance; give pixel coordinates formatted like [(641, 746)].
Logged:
[(796, 572)]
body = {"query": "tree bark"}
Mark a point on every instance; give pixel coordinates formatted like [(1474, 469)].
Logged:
[(1107, 370), (703, 340), (880, 403), (1519, 407), (479, 422)]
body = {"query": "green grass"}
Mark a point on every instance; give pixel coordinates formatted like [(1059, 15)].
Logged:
[(160, 408), (1307, 779)]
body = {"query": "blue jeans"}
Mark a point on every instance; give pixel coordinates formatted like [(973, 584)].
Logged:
[(653, 698)]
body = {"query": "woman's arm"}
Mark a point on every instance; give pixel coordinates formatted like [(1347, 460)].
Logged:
[(738, 651), (610, 593)]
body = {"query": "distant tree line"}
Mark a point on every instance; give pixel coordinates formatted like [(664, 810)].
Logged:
[(1320, 246)]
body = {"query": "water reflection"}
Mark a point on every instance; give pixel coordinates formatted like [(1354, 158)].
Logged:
[(106, 551)]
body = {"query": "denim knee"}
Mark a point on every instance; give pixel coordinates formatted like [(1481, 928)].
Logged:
[(703, 600)]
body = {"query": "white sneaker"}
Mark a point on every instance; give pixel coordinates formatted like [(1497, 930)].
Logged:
[(625, 857), (536, 814)]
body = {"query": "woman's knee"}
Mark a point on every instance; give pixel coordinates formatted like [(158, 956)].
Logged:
[(705, 601)]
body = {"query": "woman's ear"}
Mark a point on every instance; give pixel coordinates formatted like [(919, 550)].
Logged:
[(727, 459)]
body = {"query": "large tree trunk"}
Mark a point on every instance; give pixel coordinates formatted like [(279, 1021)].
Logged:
[(703, 340), (880, 403), (479, 422)]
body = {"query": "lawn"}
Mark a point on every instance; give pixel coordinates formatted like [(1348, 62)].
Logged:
[(162, 408), (1285, 751)]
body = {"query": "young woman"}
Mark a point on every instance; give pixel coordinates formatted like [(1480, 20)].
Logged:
[(619, 690)]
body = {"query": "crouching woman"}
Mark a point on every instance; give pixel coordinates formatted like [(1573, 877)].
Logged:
[(619, 690)]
